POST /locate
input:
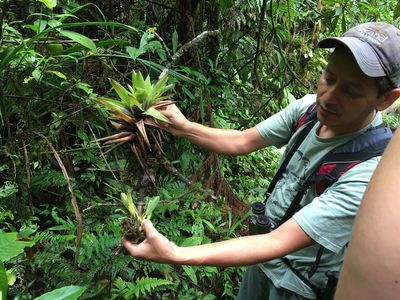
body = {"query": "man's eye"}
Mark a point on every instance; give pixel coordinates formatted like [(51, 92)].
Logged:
[(329, 79)]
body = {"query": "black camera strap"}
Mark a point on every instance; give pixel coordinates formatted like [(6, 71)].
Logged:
[(289, 155)]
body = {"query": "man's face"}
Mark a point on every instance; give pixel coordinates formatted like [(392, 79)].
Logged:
[(346, 97)]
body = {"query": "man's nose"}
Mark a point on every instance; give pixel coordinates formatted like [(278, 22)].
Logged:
[(331, 95)]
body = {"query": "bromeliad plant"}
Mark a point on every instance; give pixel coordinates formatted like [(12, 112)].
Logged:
[(137, 106), (131, 228)]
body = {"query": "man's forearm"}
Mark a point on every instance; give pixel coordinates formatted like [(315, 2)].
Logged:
[(224, 141), (246, 250)]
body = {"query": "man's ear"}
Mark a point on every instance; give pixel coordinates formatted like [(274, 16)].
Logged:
[(388, 99)]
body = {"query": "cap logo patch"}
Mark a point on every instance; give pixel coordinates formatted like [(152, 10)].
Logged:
[(373, 35)]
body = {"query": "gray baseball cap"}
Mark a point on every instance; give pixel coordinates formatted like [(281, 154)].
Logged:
[(376, 48)]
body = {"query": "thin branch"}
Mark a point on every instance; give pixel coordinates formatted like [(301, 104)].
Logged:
[(163, 5), (279, 46), (28, 177), (101, 153), (47, 42), (3, 12), (78, 216), (182, 50), (257, 54)]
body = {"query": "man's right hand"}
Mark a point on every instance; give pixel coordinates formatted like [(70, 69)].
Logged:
[(179, 125), (155, 247), (222, 141)]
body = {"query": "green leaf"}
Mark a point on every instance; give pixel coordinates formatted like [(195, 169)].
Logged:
[(59, 74), (191, 273), (127, 200), (126, 97), (71, 292), (9, 188), (80, 39), (134, 52), (150, 206), (396, 12), (154, 113), (112, 104), (37, 74), (3, 282), (49, 3), (192, 241), (10, 246)]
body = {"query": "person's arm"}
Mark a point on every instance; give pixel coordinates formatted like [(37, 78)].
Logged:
[(371, 269), (240, 251), (223, 141)]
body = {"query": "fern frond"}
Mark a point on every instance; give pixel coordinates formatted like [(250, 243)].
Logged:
[(142, 287)]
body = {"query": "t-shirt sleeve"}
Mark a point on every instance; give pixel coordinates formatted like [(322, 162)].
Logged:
[(329, 218), (277, 129)]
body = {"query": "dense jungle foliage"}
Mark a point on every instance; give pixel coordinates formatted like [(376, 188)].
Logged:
[(64, 63)]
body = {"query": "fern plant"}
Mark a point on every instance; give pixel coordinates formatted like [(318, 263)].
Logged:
[(141, 288)]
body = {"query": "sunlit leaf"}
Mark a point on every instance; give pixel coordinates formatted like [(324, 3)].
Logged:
[(151, 111), (127, 200), (134, 52), (126, 96), (10, 246), (112, 104), (80, 39), (49, 3), (3, 281), (71, 292), (150, 206), (191, 273), (59, 74)]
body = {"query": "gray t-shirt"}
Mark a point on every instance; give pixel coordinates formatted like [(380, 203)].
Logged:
[(328, 218)]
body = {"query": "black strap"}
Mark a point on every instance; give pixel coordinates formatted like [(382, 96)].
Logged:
[(292, 150), (307, 282), (315, 265)]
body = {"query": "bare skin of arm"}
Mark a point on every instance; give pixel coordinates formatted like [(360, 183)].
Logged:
[(240, 251), (371, 269), (222, 141)]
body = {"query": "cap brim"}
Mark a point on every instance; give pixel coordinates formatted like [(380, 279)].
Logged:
[(366, 57)]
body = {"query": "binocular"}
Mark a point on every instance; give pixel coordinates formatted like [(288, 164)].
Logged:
[(258, 222)]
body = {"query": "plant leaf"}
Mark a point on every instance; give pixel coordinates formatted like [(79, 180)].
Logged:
[(150, 206), (112, 104), (142, 130), (126, 97), (3, 281), (49, 3), (127, 200), (10, 246), (71, 292), (137, 80), (80, 39), (190, 272), (134, 52), (154, 113), (128, 118)]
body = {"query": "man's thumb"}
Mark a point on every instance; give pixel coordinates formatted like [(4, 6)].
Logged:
[(148, 228)]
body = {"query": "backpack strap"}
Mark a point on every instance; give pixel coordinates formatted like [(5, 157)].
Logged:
[(319, 291), (335, 163), (310, 117), (370, 144)]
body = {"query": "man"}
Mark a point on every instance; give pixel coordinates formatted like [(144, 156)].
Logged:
[(362, 78)]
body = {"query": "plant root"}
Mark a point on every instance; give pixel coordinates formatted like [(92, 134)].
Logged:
[(132, 231)]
